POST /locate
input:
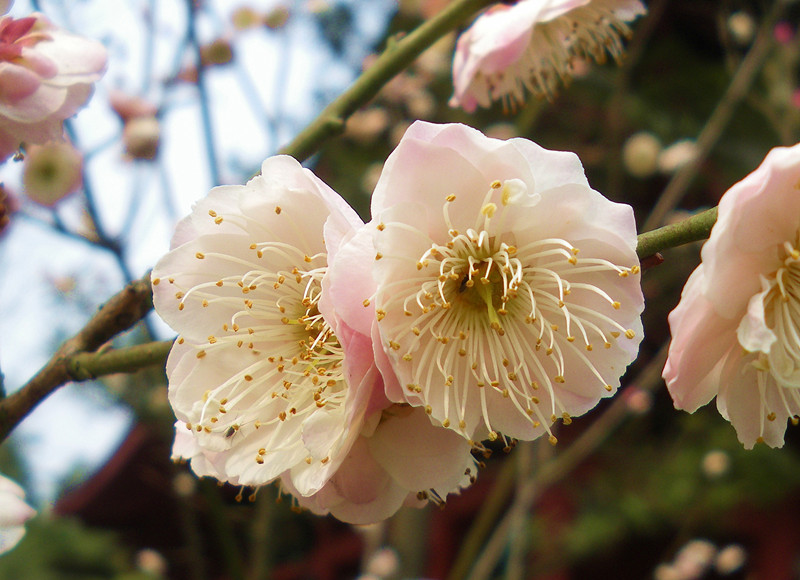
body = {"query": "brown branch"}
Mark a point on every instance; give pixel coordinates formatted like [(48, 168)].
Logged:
[(121, 312)]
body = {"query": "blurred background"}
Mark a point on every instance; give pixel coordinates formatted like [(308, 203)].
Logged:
[(198, 94)]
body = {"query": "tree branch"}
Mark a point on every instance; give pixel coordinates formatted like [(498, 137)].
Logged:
[(692, 229), (397, 56), (118, 314)]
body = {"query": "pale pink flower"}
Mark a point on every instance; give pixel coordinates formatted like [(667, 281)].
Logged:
[(736, 330), (265, 379), (531, 45), (46, 75), (506, 291), (14, 512)]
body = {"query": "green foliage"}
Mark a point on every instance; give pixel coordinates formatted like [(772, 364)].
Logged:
[(63, 549)]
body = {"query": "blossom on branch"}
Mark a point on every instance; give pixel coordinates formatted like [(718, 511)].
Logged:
[(531, 45), (506, 292), (14, 512), (46, 75), (736, 330), (265, 378)]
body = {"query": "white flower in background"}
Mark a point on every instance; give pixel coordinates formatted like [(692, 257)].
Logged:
[(46, 75), (508, 290), (265, 379), (531, 45), (14, 512), (736, 330)]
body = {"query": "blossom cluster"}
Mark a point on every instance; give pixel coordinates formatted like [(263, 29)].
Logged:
[(492, 294)]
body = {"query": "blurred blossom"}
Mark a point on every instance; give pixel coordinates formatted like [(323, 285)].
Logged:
[(435, 61), (366, 125), (784, 32), (184, 484), (151, 562), (14, 512), (246, 17), (734, 332), (530, 45), (46, 75), (730, 559), (142, 137), (638, 400), (672, 158), (276, 18), (667, 572), (217, 52), (51, 172), (130, 106), (370, 178), (716, 463), (473, 266), (421, 104), (694, 559), (503, 131), (398, 131), (640, 154), (742, 27), (383, 563), (317, 6)]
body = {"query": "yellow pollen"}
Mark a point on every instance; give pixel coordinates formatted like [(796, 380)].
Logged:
[(366, 303), (446, 423), (609, 388), (278, 209), (489, 209), (156, 281), (553, 440), (450, 197), (378, 256), (496, 184), (629, 333), (199, 255), (180, 306), (381, 227), (616, 305), (201, 354)]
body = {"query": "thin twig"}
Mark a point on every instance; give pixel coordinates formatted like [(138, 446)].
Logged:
[(205, 106), (118, 314), (717, 123), (562, 465)]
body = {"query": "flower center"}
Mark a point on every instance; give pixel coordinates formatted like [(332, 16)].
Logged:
[(272, 312), (486, 319), (782, 316)]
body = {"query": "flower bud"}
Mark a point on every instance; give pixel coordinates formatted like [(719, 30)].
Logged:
[(51, 172)]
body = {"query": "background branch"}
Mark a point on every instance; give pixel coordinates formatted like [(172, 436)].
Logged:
[(720, 118)]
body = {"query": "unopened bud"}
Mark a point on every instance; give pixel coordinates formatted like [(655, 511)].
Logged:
[(51, 172)]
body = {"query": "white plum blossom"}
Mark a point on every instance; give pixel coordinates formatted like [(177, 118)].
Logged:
[(265, 380), (14, 512), (736, 330), (506, 291), (531, 46)]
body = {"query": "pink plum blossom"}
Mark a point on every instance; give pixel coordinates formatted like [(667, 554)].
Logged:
[(504, 292), (265, 378), (736, 330), (532, 45), (14, 512), (46, 75)]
